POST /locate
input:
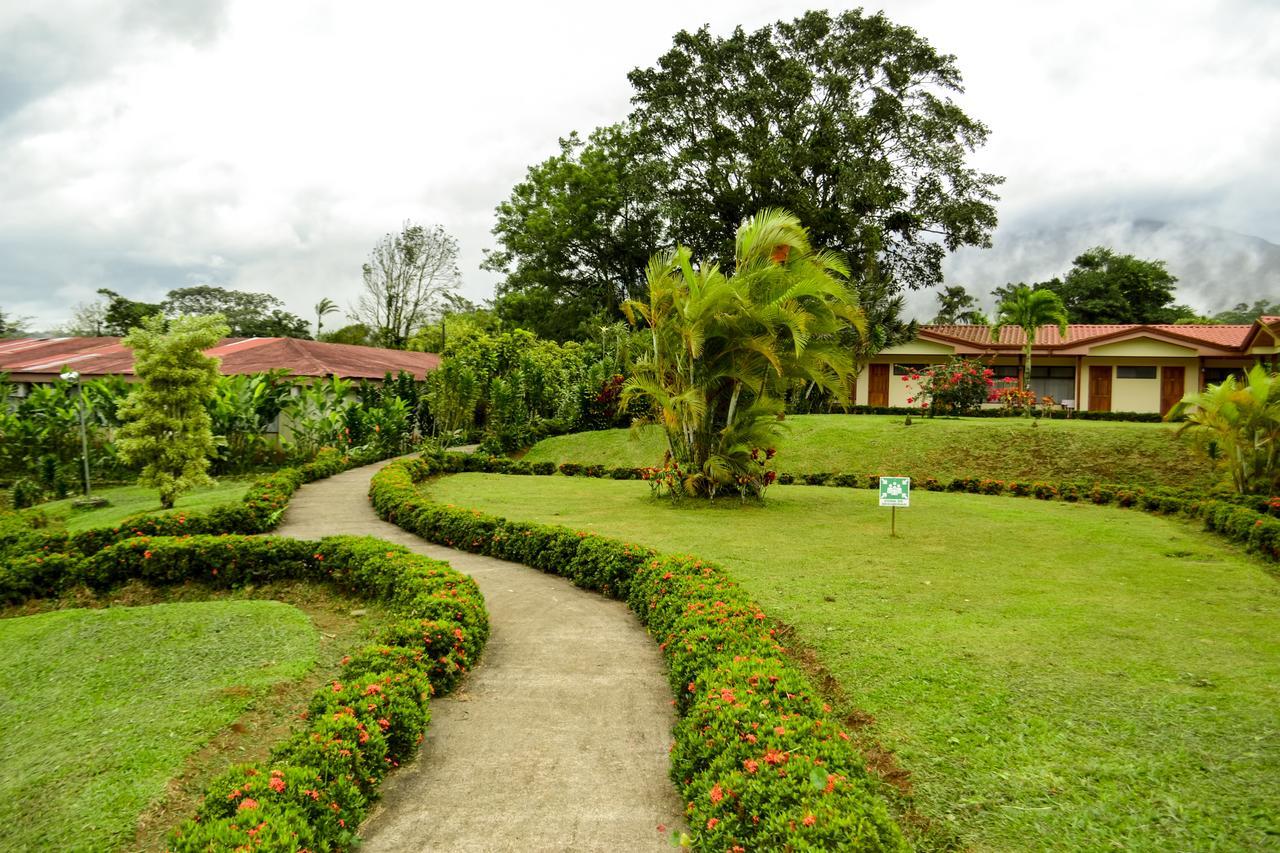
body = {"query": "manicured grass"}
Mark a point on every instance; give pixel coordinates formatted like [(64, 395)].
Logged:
[(129, 500), (998, 448), (1055, 676), (101, 707)]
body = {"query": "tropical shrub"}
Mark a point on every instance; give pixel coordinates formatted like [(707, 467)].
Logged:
[(1240, 423), (725, 348), (167, 430)]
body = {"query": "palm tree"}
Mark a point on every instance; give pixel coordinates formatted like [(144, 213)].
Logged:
[(1028, 310), (1242, 420), (723, 348), (323, 308)]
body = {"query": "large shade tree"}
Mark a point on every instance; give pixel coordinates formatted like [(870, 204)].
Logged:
[(847, 120), (724, 347), (1028, 310)]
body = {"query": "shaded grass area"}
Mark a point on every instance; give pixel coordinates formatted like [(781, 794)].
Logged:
[(997, 448), (101, 707), (1054, 676), (129, 500)]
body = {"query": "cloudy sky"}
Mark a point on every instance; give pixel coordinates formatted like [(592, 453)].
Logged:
[(152, 144)]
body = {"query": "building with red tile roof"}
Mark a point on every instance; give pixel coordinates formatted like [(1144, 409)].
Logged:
[(1132, 368), (39, 360)]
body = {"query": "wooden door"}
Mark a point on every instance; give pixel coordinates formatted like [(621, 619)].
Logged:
[(1100, 389), (878, 385), (1173, 385)]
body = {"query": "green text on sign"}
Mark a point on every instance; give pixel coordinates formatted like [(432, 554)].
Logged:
[(895, 491)]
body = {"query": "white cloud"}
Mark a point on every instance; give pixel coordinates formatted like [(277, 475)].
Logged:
[(268, 145)]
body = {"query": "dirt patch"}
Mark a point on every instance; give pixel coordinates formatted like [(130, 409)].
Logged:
[(924, 832)]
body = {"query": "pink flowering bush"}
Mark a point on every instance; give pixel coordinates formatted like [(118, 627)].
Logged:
[(956, 388)]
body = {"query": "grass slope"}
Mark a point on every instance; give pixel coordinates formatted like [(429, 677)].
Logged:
[(1055, 676), (129, 500), (998, 448), (101, 707)]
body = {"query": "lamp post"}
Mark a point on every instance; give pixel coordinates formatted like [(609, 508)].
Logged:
[(74, 376)]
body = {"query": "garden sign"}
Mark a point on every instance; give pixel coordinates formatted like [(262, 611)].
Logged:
[(895, 492)]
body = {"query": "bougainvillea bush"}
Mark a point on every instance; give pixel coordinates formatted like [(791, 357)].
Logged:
[(958, 387)]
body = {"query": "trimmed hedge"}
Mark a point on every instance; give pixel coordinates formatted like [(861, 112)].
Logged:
[(317, 786), (760, 760), (1085, 415), (1250, 520), (34, 562)]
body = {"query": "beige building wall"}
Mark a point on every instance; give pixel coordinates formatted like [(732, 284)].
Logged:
[(1138, 395)]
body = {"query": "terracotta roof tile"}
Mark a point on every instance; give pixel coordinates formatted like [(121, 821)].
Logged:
[(104, 356), (1231, 337)]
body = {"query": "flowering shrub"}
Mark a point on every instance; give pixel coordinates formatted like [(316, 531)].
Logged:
[(761, 761), (1013, 399), (956, 388)]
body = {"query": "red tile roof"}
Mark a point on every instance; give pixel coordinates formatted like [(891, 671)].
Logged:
[(38, 357), (1223, 337)]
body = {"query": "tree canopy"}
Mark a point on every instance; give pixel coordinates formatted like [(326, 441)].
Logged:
[(405, 278), (1244, 313), (957, 305), (847, 120), (1104, 286), (247, 315)]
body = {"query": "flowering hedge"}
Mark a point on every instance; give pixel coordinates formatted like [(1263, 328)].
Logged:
[(34, 563), (317, 786), (761, 761)]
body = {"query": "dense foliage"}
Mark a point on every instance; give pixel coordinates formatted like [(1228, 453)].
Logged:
[(724, 349), (845, 119), (1238, 422), (1028, 310), (166, 429), (760, 760)]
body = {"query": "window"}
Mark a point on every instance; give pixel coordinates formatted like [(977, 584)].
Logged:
[(1128, 371), (1216, 375), (1058, 382), (1005, 371), (908, 369)]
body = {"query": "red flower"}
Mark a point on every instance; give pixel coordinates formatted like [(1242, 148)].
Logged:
[(716, 793), (711, 824), (276, 784), (809, 820), (246, 805), (751, 765)]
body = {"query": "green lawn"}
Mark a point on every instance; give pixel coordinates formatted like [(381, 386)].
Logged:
[(100, 707), (1055, 676), (129, 500), (999, 448)]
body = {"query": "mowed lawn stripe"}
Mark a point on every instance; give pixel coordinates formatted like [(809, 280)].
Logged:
[(1055, 676)]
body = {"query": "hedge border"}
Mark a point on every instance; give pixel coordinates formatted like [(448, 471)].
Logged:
[(1249, 520), (316, 788), (32, 562), (758, 756)]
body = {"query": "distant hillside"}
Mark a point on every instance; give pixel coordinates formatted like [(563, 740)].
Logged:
[(1215, 268)]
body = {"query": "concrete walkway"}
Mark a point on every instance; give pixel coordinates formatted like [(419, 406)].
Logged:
[(557, 741)]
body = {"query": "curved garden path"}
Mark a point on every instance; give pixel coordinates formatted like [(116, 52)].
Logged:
[(557, 741)]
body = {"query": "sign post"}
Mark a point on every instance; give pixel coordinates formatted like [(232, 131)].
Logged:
[(895, 492)]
